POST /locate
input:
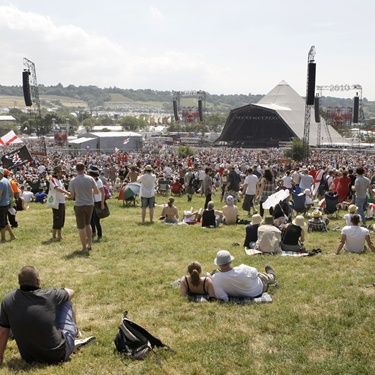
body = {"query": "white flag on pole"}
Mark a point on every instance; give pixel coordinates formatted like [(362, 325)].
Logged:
[(9, 138)]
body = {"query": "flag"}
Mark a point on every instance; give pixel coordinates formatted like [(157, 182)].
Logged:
[(9, 138), (126, 141), (16, 158)]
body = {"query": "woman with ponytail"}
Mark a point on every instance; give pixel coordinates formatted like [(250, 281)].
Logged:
[(194, 284)]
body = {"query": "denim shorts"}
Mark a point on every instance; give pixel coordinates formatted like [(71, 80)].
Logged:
[(65, 322), (148, 202)]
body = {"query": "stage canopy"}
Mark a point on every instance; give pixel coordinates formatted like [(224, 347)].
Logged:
[(277, 117)]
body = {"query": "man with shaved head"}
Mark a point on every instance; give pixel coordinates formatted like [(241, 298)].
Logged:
[(41, 320)]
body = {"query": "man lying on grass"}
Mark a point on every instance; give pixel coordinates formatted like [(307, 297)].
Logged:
[(239, 281), (353, 237), (42, 321)]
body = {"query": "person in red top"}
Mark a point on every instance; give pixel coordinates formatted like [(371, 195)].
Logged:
[(343, 186)]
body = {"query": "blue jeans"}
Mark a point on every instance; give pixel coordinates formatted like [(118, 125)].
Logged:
[(65, 322), (361, 203)]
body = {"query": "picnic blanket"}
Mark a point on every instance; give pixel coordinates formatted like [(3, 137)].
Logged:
[(293, 254), (264, 298)]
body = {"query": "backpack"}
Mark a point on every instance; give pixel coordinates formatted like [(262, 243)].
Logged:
[(134, 341)]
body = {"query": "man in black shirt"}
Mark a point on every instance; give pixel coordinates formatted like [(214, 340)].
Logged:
[(42, 320)]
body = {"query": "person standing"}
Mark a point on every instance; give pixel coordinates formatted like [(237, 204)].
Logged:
[(233, 186), (147, 192), (99, 199), (82, 187), (56, 183), (189, 183), (6, 196), (362, 187), (249, 190), (207, 186)]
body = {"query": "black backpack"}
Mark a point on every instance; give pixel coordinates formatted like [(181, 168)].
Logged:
[(134, 341)]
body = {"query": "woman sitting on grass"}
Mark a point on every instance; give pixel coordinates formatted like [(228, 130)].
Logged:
[(293, 235), (194, 285)]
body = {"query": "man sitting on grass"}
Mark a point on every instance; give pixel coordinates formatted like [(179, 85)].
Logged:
[(42, 321), (354, 237), (239, 281)]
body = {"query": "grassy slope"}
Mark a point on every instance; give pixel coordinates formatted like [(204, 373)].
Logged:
[(321, 320)]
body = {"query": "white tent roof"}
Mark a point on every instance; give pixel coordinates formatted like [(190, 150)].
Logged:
[(291, 108), (80, 140), (115, 134)]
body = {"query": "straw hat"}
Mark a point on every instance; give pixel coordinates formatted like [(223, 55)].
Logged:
[(256, 219), (352, 209), (317, 214), (299, 221)]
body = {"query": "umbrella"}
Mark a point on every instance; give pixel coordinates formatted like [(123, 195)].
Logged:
[(132, 189), (275, 198)]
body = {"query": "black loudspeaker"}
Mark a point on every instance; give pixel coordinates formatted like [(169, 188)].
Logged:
[(311, 84), (175, 112), (200, 111), (26, 88), (317, 109), (356, 110)]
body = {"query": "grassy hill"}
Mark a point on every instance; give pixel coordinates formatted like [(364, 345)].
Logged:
[(321, 320)]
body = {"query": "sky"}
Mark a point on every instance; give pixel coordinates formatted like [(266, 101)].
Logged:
[(222, 47)]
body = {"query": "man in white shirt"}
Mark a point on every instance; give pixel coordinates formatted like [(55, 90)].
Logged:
[(354, 237), (287, 181), (147, 192), (249, 190), (306, 181), (239, 281)]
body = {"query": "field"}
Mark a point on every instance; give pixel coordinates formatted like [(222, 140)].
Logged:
[(321, 320)]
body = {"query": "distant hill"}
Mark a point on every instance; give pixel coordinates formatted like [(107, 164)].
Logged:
[(146, 100)]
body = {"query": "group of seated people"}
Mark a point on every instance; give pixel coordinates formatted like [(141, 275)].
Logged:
[(266, 237), (227, 281), (209, 218)]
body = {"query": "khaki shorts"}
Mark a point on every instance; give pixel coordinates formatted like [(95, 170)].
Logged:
[(83, 215)]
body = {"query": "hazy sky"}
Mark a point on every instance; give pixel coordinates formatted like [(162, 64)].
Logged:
[(237, 46)]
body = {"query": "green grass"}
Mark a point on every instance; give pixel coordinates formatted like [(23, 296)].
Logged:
[(321, 320)]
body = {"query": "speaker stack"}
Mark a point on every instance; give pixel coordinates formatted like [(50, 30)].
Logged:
[(317, 109), (26, 88), (175, 111), (356, 109), (311, 84), (200, 110)]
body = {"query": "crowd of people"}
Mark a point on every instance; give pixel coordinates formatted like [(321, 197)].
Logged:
[(240, 179)]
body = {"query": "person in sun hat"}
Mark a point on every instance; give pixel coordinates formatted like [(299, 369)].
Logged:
[(269, 237), (239, 281), (294, 235), (316, 223), (147, 192), (352, 209), (252, 232)]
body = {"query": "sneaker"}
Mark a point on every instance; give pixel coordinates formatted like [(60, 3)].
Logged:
[(270, 270), (82, 342)]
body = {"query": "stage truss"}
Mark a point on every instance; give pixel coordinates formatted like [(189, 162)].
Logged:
[(29, 66), (190, 113)]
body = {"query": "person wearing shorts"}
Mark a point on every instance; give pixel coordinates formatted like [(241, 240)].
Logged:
[(6, 194), (82, 189), (147, 192), (42, 321)]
